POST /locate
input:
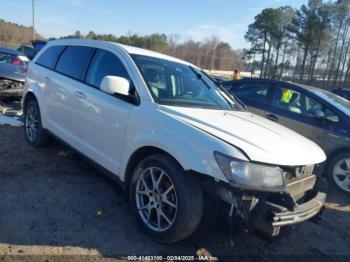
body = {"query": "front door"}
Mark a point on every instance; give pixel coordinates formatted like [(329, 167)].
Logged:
[(288, 108), (102, 116)]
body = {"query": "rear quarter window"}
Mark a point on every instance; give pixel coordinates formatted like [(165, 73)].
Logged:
[(49, 57), (74, 61)]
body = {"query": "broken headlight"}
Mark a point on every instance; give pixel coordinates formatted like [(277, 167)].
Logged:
[(248, 175)]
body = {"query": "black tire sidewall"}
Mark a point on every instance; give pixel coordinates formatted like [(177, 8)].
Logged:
[(188, 202), (39, 141), (331, 165)]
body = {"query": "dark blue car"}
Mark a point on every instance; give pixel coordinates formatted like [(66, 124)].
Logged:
[(317, 114), (343, 92)]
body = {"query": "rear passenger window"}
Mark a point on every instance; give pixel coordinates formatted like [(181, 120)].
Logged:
[(73, 61), (104, 63), (49, 57), (252, 92)]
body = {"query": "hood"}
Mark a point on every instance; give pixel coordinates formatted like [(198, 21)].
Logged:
[(261, 139)]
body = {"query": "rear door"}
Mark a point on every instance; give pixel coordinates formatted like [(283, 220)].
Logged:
[(64, 86)]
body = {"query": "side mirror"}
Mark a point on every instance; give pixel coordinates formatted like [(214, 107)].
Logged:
[(115, 85), (319, 114)]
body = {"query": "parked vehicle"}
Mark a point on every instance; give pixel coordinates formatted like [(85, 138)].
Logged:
[(13, 66), (220, 79), (343, 92), (31, 50), (169, 135), (27, 50), (315, 113)]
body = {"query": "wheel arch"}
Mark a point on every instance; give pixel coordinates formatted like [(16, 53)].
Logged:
[(334, 153), (34, 92), (29, 96), (138, 155)]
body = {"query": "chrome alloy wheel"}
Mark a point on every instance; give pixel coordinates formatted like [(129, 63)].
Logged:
[(156, 199), (31, 124), (341, 174)]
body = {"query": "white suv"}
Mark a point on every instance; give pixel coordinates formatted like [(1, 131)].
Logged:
[(171, 136)]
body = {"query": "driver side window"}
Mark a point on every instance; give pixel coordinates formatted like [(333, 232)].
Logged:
[(293, 101), (104, 63), (288, 100)]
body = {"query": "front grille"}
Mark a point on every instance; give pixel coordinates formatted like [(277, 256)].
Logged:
[(299, 179), (295, 173)]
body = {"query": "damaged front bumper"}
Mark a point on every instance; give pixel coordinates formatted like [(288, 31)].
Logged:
[(269, 212), (270, 217)]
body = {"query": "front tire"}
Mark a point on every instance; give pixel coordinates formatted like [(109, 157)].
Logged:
[(35, 134), (166, 202), (339, 172)]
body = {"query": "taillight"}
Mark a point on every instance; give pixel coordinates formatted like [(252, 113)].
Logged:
[(16, 61)]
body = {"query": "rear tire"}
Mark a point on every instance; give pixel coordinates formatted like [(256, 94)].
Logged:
[(35, 134), (167, 203), (339, 172)]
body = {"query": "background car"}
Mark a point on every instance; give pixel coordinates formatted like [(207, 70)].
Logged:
[(315, 113), (220, 79), (13, 67), (343, 92), (31, 50)]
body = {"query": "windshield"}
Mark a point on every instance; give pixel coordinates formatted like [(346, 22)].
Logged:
[(176, 84), (337, 101)]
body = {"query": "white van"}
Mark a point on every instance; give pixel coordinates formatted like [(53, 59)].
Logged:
[(170, 135)]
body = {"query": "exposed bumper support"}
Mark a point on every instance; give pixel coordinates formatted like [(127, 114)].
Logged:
[(269, 212), (269, 217), (300, 213)]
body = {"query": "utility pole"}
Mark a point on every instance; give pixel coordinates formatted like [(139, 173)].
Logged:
[(33, 14)]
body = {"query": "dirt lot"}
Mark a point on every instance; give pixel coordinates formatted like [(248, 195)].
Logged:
[(50, 201)]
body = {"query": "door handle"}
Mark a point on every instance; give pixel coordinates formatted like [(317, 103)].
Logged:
[(80, 94), (272, 117), (47, 78)]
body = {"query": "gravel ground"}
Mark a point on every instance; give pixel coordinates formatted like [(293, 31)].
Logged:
[(53, 203)]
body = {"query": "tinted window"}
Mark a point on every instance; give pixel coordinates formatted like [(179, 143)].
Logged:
[(253, 92), (299, 103), (49, 57), (293, 101), (6, 58), (229, 86), (73, 61), (336, 101), (103, 64)]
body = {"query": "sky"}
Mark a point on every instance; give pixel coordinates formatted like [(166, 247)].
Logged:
[(190, 19)]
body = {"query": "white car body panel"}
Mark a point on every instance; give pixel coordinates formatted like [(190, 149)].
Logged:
[(262, 140), (109, 130)]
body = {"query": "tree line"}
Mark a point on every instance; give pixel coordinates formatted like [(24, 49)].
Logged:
[(15, 34), (211, 53), (310, 44)]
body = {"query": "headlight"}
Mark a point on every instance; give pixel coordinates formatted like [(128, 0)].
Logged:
[(249, 175)]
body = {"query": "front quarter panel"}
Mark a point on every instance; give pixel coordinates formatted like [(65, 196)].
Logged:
[(191, 147)]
